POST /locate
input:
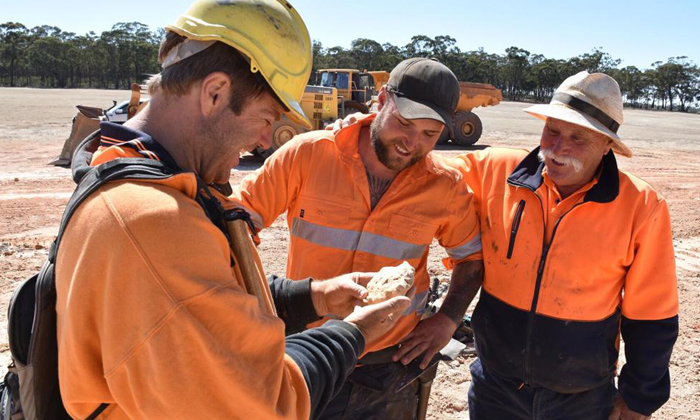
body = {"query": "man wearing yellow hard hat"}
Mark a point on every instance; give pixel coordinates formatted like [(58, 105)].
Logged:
[(156, 315)]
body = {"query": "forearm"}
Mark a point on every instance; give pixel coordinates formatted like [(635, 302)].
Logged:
[(644, 381), (325, 356), (467, 278), (293, 302)]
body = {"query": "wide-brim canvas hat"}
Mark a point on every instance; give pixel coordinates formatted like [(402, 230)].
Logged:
[(592, 101)]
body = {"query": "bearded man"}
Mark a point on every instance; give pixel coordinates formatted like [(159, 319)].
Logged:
[(369, 196)]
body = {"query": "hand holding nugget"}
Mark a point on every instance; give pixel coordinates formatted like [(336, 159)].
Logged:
[(338, 296), (390, 282)]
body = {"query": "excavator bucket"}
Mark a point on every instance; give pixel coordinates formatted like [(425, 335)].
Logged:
[(85, 122)]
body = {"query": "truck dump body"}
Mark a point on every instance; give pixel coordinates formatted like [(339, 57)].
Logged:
[(473, 95)]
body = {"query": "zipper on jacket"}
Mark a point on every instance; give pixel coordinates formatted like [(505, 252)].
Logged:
[(514, 227), (540, 271)]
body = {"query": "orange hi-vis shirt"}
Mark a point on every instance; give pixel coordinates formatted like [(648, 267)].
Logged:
[(597, 246), (565, 278), (319, 180), (158, 330)]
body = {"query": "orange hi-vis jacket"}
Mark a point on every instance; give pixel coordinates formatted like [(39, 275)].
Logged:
[(320, 181), (563, 278), (154, 319)]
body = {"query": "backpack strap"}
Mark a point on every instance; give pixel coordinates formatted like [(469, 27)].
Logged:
[(90, 181), (97, 412)]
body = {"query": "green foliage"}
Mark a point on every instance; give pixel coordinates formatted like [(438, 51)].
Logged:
[(45, 56), (522, 75)]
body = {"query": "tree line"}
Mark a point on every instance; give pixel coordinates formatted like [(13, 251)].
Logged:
[(46, 56)]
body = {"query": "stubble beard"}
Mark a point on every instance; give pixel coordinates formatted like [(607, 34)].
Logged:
[(381, 148), (215, 148)]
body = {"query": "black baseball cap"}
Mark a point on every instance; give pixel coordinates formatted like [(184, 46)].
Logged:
[(424, 88)]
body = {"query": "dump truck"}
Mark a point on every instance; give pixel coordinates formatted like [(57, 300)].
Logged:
[(349, 91), (466, 126), (335, 94), (356, 89)]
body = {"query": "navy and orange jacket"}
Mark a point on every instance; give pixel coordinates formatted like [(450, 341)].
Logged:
[(154, 319), (563, 277), (319, 180)]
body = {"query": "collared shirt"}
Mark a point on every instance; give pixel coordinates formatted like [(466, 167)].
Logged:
[(557, 207), (117, 141), (319, 180)]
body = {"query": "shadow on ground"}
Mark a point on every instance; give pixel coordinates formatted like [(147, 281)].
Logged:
[(454, 146), (249, 162)]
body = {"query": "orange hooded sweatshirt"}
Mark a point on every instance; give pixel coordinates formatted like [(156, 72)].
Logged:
[(153, 320)]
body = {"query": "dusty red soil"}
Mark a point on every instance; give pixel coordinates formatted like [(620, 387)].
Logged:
[(34, 123)]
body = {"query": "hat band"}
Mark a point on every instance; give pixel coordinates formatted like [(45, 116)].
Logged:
[(587, 109)]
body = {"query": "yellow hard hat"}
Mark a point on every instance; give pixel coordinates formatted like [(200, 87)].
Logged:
[(270, 33)]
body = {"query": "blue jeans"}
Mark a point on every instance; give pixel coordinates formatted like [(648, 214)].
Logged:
[(492, 397), (370, 393)]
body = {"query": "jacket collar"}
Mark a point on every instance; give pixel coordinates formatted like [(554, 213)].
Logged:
[(116, 135), (528, 174)]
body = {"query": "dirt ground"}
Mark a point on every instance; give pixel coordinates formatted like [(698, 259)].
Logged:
[(34, 123)]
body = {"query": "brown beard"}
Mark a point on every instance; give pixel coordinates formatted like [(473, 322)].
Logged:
[(381, 147)]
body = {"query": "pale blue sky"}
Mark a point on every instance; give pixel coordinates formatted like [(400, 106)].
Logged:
[(638, 32)]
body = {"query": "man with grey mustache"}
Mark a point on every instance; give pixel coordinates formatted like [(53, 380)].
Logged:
[(577, 254)]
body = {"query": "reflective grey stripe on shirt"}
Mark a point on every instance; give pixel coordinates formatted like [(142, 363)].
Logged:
[(465, 250), (351, 240), (418, 304)]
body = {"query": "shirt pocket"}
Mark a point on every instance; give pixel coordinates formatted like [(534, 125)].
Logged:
[(324, 212), (412, 229)]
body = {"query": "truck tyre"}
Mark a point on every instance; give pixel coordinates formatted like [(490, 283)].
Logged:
[(283, 131), (467, 128), (283, 134), (444, 136)]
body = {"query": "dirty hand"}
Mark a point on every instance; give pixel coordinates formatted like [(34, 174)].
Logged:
[(428, 338), (377, 319), (340, 124), (620, 411), (339, 295)]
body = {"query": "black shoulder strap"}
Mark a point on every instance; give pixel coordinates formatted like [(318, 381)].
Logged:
[(97, 412), (92, 180)]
